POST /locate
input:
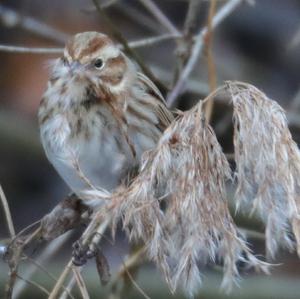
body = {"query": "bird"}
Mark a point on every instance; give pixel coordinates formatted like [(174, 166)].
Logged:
[(99, 115)]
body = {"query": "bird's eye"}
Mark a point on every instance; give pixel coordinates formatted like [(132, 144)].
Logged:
[(98, 63)]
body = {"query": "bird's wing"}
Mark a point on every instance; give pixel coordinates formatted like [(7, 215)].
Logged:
[(164, 114)]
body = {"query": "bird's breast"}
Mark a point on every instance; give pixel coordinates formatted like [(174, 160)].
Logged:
[(88, 144)]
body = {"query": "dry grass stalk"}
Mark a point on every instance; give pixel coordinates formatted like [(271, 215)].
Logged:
[(177, 205), (268, 165), (80, 283), (8, 217)]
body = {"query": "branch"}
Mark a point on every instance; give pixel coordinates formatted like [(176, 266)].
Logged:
[(11, 18), (33, 283), (225, 11), (29, 50), (191, 16), (7, 213), (137, 16), (49, 251), (185, 43), (153, 40), (134, 44), (15, 260), (211, 68), (160, 16), (80, 283), (94, 225)]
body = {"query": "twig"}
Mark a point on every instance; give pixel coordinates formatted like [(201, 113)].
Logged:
[(119, 37), (152, 40), (191, 16), (68, 288), (219, 17), (33, 283), (193, 85), (137, 286), (98, 233), (160, 16), (7, 213), (94, 224), (139, 17), (106, 4), (134, 44), (184, 44), (28, 50), (51, 249), (14, 263), (129, 263), (60, 281), (42, 268), (11, 18), (212, 78), (25, 229), (80, 282)]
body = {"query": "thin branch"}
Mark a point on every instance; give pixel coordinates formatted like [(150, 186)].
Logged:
[(153, 40), (11, 18), (211, 68), (137, 16), (60, 281), (103, 5), (42, 268), (160, 16), (191, 16), (28, 50), (137, 286), (98, 233), (131, 261), (134, 44), (96, 223), (193, 85), (33, 283), (14, 262), (80, 283), (184, 44), (225, 11), (50, 250), (68, 288), (7, 213)]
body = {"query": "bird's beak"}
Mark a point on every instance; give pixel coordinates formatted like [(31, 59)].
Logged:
[(74, 66)]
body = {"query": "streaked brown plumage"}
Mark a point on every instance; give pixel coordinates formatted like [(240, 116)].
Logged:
[(98, 114)]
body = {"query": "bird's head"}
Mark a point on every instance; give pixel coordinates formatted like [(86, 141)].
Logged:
[(93, 57)]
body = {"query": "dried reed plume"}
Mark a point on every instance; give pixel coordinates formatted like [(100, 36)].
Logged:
[(177, 205), (268, 165)]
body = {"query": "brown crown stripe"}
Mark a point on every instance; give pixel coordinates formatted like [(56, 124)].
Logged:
[(94, 45)]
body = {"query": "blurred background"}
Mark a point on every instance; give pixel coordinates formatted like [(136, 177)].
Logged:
[(259, 43)]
